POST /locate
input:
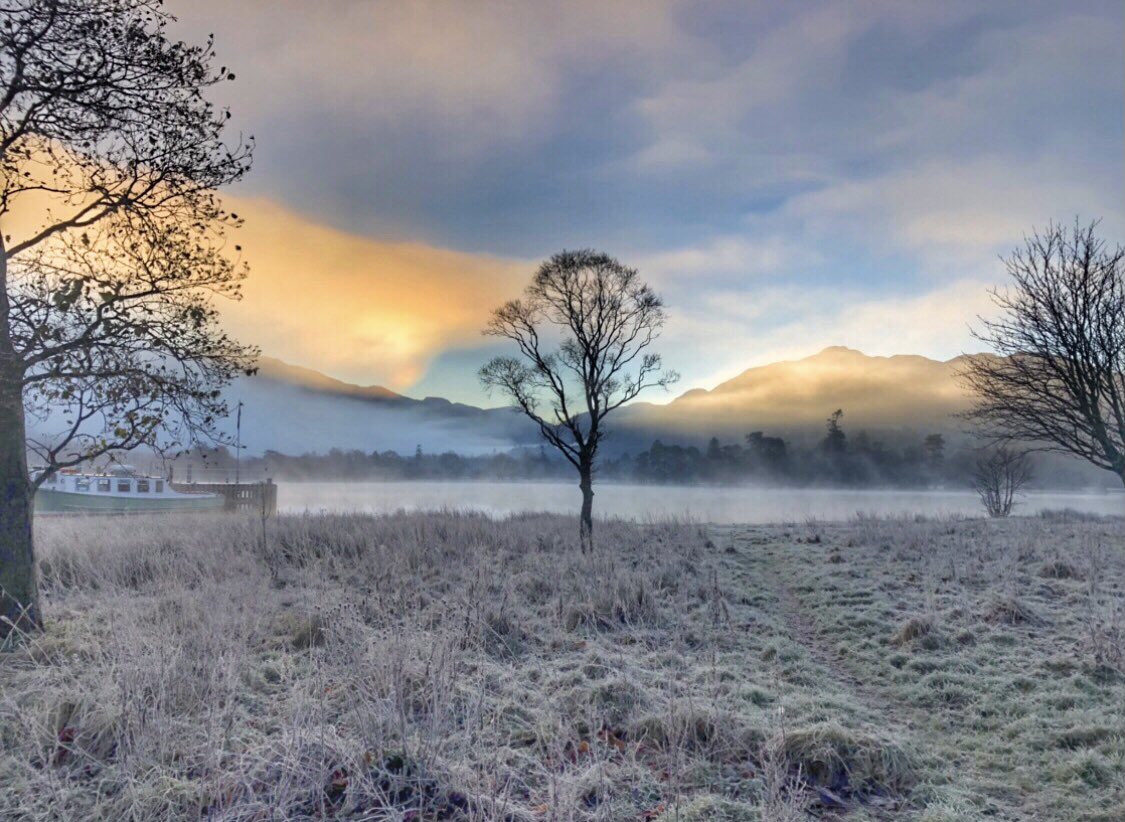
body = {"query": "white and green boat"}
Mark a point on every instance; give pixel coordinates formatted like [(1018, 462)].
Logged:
[(120, 491)]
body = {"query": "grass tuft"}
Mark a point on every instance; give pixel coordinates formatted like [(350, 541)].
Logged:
[(848, 762), (917, 627), (1010, 610)]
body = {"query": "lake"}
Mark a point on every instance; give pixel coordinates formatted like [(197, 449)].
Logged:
[(701, 503)]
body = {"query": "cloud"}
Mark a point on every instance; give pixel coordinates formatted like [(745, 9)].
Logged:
[(357, 308), (956, 217), (907, 128), (789, 175), (974, 161), (483, 73), (731, 331), (739, 256), (515, 128)]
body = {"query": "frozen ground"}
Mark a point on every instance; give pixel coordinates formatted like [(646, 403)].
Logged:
[(450, 666)]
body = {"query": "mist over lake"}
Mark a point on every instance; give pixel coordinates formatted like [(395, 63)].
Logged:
[(721, 505)]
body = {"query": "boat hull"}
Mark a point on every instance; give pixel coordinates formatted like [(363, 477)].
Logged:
[(49, 501)]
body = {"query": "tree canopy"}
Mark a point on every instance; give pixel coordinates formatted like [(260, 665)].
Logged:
[(583, 329), (113, 249), (114, 235), (1058, 381)]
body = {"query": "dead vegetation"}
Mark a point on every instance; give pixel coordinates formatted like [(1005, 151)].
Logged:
[(989, 649), (454, 667)]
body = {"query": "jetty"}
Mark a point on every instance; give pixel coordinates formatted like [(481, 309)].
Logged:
[(259, 497)]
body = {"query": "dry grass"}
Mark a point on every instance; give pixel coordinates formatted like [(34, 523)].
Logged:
[(450, 666), (991, 650)]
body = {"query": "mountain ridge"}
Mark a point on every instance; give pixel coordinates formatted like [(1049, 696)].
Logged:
[(277, 369), (897, 393)]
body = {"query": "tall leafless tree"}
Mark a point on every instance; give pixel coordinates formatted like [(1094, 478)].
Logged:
[(583, 328), (1058, 381), (112, 248), (999, 474)]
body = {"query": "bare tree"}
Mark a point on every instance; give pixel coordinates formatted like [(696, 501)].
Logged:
[(998, 476), (583, 328), (1059, 379), (112, 249)]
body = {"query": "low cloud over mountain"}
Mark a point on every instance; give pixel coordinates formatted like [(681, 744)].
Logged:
[(296, 410), (900, 394)]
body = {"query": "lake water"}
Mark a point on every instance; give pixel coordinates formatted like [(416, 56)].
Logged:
[(704, 504)]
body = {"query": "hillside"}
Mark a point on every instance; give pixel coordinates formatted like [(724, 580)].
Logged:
[(903, 393), (293, 409), (297, 410), (896, 400)]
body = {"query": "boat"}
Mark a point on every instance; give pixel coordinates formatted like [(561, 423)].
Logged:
[(121, 490)]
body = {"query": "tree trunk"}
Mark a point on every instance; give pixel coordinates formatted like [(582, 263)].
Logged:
[(586, 526), (19, 594)]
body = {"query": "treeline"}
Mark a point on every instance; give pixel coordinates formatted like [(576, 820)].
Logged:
[(864, 462), (339, 464), (532, 463), (836, 459)]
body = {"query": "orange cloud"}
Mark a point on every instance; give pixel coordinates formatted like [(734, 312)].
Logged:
[(358, 308)]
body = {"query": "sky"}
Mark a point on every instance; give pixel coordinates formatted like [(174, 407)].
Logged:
[(789, 176)]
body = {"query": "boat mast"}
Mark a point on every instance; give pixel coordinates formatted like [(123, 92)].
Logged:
[(238, 444)]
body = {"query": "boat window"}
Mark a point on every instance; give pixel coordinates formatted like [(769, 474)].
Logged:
[(123, 485), (82, 485), (160, 486), (142, 486), (103, 486)]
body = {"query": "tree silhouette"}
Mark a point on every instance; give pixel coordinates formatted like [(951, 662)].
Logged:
[(933, 450), (768, 452), (112, 248), (583, 329), (1059, 381), (998, 476), (835, 440)]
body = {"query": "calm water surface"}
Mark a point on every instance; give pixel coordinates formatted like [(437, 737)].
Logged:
[(718, 505)]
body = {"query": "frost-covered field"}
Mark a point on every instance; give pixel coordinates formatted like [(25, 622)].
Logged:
[(450, 666)]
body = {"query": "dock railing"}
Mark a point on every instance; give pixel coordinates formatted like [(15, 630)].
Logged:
[(259, 497)]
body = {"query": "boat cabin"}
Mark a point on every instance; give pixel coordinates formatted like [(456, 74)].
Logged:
[(121, 480)]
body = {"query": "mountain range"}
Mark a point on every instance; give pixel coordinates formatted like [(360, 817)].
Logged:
[(891, 396), (297, 410)]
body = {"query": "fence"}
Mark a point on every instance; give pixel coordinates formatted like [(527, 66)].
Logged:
[(260, 497)]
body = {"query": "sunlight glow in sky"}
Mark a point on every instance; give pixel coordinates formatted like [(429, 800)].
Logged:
[(789, 175)]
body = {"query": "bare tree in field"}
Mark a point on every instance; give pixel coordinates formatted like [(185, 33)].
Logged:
[(1059, 381), (583, 328), (112, 249), (998, 476)]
